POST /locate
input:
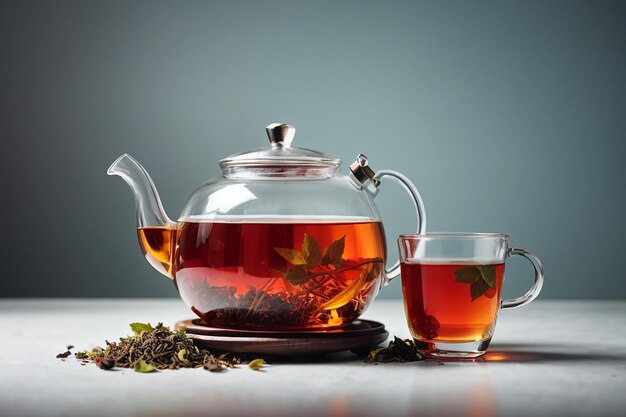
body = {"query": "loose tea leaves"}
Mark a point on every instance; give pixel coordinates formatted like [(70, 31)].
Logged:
[(214, 367), (67, 353), (104, 362), (154, 348), (64, 355), (398, 350), (158, 347)]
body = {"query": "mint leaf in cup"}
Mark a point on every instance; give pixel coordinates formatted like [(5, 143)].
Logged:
[(481, 279)]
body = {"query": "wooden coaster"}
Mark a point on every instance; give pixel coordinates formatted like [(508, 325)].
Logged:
[(360, 334)]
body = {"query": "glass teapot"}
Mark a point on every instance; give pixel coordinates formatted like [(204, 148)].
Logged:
[(280, 241)]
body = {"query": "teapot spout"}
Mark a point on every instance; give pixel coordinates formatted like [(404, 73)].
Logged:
[(154, 226), (150, 211)]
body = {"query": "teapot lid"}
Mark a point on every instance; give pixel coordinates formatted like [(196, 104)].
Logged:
[(280, 159)]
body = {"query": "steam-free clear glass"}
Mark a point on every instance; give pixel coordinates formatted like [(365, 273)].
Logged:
[(451, 284)]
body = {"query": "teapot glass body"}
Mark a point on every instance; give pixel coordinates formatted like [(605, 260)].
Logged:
[(278, 242)]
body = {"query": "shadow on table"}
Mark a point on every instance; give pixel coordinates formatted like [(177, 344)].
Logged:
[(498, 352), (543, 353)]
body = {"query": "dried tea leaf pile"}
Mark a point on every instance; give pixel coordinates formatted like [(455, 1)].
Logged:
[(154, 348), (398, 350)]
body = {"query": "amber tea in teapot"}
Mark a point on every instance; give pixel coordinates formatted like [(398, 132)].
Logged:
[(300, 274), (280, 241)]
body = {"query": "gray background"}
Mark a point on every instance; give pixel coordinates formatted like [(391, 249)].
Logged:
[(508, 116)]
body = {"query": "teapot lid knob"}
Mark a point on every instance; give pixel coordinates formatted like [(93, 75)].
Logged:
[(280, 135)]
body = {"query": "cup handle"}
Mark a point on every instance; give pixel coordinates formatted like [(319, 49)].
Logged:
[(536, 288), (418, 204)]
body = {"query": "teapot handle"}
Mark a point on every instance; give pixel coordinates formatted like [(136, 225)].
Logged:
[(418, 204)]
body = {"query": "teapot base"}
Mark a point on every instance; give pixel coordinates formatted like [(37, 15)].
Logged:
[(360, 334)]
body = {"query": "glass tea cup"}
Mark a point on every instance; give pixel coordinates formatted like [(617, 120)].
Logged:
[(451, 285)]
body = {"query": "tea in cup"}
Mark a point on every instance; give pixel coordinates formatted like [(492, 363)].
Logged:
[(451, 285)]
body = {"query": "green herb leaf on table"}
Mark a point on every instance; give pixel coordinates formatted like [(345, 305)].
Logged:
[(139, 328), (480, 278), (144, 367), (256, 364), (182, 356)]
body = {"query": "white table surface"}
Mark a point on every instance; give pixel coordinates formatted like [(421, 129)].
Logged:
[(551, 358)]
